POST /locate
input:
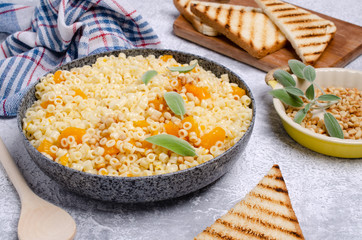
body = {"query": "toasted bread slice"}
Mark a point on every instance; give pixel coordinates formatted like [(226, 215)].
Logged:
[(183, 6), (264, 213), (308, 33), (248, 27)]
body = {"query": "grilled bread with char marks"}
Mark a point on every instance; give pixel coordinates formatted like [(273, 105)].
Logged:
[(183, 6), (247, 27), (308, 33), (265, 213)]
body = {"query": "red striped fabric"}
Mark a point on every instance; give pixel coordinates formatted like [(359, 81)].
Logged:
[(58, 31)]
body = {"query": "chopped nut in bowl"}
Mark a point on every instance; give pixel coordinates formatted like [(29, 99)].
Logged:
[(325, 117)]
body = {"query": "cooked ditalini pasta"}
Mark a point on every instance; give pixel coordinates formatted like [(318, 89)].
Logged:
[(96, 118)]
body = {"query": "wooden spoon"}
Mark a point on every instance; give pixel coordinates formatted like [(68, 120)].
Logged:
[(39, 219)]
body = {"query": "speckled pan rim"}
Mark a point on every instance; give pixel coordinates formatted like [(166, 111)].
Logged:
[(160, 176), (279, 107)]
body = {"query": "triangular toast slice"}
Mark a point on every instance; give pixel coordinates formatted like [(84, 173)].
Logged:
[(247, 27), (308, 33), (265, 213), (183, 6)]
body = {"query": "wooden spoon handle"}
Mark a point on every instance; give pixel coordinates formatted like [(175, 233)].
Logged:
[(14, 174)]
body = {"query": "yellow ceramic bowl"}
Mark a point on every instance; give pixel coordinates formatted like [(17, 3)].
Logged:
[(326, 77)]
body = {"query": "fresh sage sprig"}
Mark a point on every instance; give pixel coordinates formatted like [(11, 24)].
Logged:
[(175, 102), (147, 76), (183, 69), (292, 96), (172, 143)]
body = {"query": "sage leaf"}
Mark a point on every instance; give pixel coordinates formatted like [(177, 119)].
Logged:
[(175, 144), (175, 102), (286, 98), (284, 78), (333, 128), (183, 69), (294, 91), (298, 118), (309, 73), (309, 93), (147, 76), (328, 97), (297, 67), (307, 107)]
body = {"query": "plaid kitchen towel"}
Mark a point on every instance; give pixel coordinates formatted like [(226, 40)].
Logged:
[(58, 31)]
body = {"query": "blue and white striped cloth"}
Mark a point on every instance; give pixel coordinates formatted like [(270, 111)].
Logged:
[(58, 31)]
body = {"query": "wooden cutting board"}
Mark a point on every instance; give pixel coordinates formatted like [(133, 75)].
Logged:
[(346, 45)]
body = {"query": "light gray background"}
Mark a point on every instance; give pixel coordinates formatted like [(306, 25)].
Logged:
[(326, 192)]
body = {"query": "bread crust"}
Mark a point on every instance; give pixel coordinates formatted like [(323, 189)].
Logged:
[(265, 213), (183, 6), (308, 33), (235, 33)]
